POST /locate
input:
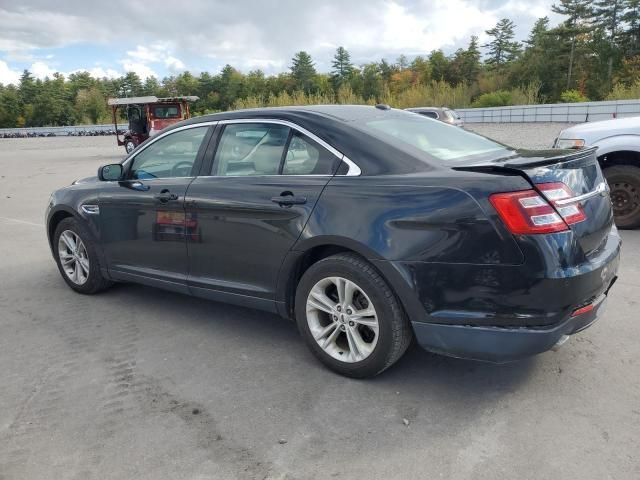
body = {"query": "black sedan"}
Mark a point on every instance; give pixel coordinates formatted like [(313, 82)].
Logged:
[(367, 225)]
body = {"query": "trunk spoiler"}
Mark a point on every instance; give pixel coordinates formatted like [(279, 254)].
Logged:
[(526, 159)]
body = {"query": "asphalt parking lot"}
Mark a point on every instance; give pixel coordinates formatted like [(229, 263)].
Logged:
[(141, 383)]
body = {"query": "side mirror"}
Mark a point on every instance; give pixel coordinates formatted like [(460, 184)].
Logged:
[(110, 173)]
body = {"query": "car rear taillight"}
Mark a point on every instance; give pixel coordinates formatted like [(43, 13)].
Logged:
[(526, 212), (556, 192)]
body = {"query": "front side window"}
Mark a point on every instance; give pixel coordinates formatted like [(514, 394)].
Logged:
[(170, 156)]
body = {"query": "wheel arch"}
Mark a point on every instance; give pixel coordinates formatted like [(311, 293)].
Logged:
[(54, 220), (619, 157), (312, 251)]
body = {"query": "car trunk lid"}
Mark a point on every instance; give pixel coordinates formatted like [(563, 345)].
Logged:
[(587, 191)]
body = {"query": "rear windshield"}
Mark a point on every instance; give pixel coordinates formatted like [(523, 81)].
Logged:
[(166, 112), (439, 140)]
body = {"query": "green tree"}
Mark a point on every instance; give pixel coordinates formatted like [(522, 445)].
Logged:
[(131, 85), (10, 110), (630, 36), (502, 48), (342, 68), (579, 12), (372, 83), (465, 65), (607, 15), (439, 65), (303, 71), (90, 105)]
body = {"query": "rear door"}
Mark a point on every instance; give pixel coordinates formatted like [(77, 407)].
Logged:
[(575, 185), (251, 205)]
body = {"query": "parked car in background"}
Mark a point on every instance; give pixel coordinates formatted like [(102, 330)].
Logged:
[(367, 225), (617, 144), (443, 114)]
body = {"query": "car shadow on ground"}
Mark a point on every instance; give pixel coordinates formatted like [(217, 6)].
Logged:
[(417, 371)]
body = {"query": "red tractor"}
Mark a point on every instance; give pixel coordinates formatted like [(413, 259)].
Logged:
[(147, 116)]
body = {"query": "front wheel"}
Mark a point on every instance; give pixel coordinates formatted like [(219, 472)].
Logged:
[(75, 254), (624, 185), (350, 318)]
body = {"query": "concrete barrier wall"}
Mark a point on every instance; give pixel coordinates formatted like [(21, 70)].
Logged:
[(62, 130), (556, 112)]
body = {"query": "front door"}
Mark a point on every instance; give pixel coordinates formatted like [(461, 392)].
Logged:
[(251, 207), (143, 223)]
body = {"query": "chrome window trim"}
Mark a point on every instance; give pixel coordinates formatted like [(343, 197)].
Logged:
[(353, 170), (137, 152)]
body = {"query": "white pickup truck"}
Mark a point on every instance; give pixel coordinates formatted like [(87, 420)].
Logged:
[(618, 143)]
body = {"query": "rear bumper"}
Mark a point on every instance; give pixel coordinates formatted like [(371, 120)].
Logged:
[(498, 344), (501, 313)]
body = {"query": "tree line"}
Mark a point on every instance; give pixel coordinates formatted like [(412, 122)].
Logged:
[(593, 54)]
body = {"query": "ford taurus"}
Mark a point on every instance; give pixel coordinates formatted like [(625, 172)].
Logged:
[(368, 226)]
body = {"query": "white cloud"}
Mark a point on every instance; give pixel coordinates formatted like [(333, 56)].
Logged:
[(174, 64), (255, 33), (7, 75), (143, 70), (99, 72), (41, 70), (144, 57)]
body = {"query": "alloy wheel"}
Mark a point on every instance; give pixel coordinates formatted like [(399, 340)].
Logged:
[(73, 257), (342, 319)]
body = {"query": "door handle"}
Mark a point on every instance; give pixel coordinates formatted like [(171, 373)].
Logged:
[(289, 200), (139, 186), (165, 196)]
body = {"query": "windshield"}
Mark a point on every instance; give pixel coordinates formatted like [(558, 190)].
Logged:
[(439, 140)]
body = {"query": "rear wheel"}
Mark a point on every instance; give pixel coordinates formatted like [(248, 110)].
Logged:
[(75, 254), (350, 318), (624, 182)]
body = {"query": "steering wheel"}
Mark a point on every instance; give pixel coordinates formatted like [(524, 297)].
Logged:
[(182, 169)]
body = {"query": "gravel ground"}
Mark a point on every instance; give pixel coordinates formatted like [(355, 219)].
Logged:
[(145, 384), (521, 135)]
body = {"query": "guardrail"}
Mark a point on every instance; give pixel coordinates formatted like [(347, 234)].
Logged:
[(60, 131), (553, 112)]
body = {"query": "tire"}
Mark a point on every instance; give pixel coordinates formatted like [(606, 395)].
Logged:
[(86, 283), (129, 146), (624, 182), (383, 344)]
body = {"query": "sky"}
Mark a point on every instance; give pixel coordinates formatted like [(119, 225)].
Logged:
[(163, 38)]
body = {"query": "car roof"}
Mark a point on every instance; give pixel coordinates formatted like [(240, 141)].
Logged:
[(426, 109), (338, 125)]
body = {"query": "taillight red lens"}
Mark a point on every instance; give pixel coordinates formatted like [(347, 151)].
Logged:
[(526, 212), (572, 212)]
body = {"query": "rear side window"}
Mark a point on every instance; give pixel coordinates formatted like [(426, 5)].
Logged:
[(252, 149), (247, 149), (429, 114), (306, 157), (438, 140)]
